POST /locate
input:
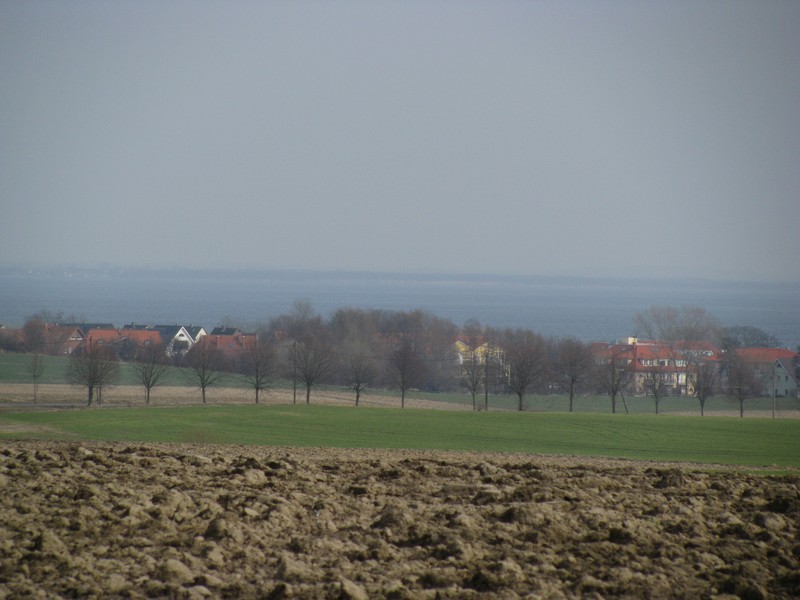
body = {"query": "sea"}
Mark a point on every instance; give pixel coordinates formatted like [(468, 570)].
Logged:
[(591, 309)]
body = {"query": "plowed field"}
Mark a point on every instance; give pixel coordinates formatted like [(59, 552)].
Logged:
[(193, 521)]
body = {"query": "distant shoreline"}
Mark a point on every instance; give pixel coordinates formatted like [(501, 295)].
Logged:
[(591, 309), (239, 272)]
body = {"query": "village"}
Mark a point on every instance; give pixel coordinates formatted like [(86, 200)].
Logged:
[(441, 358)]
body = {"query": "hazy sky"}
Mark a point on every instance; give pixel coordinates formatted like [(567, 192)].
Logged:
[(579, 138)]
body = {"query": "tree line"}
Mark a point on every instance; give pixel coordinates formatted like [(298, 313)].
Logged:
[(364, 349)]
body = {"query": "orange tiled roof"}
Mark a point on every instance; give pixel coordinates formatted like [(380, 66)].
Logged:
[(143, 337), (765, 355), (102, 336)]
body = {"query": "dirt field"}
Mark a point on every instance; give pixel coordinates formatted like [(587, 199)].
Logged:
[(133, 520), (12, 394), (20, 394)]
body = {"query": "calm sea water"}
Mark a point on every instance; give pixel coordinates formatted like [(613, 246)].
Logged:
[(590, 309)]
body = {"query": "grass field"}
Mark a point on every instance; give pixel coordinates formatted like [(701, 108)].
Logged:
[(13, 370), (755, 442)]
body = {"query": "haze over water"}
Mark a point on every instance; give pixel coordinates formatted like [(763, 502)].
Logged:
[(590, 309)]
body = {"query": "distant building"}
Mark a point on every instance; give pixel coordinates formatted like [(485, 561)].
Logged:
[(777, 368), (175, 339)]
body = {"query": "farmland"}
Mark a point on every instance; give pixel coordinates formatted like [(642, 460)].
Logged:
[(755, 442), (284, 500)]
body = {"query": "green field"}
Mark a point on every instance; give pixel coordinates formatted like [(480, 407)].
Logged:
[(545, 429), (755, 442), (13, 369)]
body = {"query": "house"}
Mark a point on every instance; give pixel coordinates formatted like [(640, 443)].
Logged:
[(232, 343), (85, 326), (467, 347), (62, 340), (142, 337), (175, 339), (670, 362), (777, 368), (224, 330), (102, 338), (195, 331)]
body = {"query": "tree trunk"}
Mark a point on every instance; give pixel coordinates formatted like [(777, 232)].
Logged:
[(90, 394), (257, 390), (521, 398), (402, 398), (308, 394)]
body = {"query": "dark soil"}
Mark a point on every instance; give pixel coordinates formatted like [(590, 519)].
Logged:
[(141, 521)]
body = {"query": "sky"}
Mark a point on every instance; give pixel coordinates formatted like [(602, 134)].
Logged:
[(641, 138)]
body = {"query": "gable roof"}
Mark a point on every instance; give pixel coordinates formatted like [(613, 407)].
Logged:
[(168, 332), (102, 337), (195, 331), (766, 355), (86, 327), (223, 330), (61, 333), (232, 344), (143, 337)]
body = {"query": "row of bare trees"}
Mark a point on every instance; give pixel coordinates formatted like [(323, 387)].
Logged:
[(367, 348)]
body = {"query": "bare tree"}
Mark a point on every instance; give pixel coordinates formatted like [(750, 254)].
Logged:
[(205, 364), (742, 382), (494, 373), (704, 380), (475, 366), (10, 340), (473, 373), (36, 367), (524, 358), (655, 385), (33, 332), (313, 360), (745, 336), (150, 366), (259, 364), (302, 323), (361, 372), (681, 329), (93, 369), (573, 366), (668, 323), (441, 372), (613, 378), (406, 368)]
